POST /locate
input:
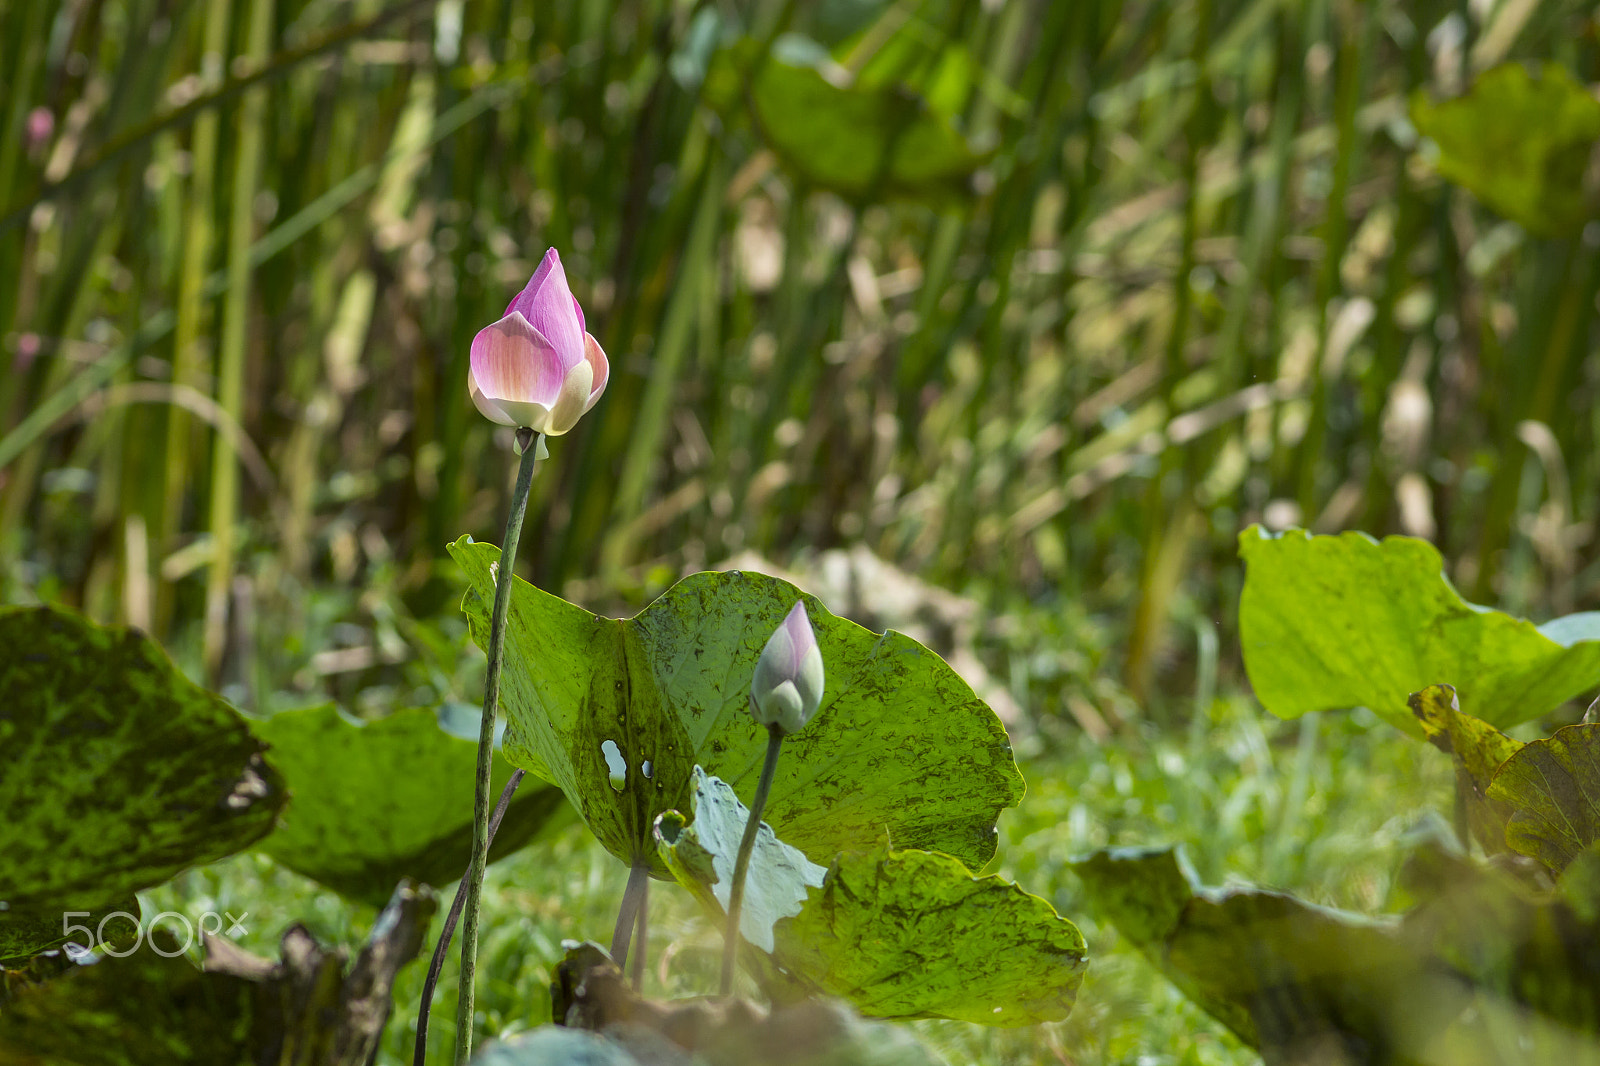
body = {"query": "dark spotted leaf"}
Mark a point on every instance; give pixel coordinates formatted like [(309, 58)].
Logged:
[(1552, 789), (1477, 749), (153, 1007), (116, 772)]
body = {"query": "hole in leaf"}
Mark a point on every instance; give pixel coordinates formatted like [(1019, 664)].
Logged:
[(615, 763)]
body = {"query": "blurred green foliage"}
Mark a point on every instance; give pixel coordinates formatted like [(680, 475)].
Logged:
[(1033, 298)]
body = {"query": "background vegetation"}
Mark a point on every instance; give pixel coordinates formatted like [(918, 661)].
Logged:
[(1185, 267)]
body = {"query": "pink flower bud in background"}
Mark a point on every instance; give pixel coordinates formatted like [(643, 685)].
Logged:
[(27, 351), (787, 687), (536, 367), (40, 125)]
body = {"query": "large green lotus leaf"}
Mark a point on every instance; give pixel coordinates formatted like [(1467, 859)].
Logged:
[(1477, 749), (416, 776), (701, 855), (900, 934), (116, 772), (1344, 621), (619, 712), (1300, 982), (911, 934), (836, 135), (1520, 140), (1552, 789)]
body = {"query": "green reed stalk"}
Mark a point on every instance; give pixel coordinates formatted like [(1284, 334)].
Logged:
[(645, 442), (230, 359), (197, 240), (1355, 42)]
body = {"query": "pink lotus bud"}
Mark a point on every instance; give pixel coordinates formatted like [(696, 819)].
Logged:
[(787, 687), (40, 125), (28, 346), (537, 367)]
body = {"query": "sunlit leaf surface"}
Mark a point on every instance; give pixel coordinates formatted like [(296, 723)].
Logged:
[(620, 712), (1346, 621), (900, 934)]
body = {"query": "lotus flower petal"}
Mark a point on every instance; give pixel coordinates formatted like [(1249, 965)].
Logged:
[(572, 402), (549, 306), (487, 407), (600, 367), (511, 360)]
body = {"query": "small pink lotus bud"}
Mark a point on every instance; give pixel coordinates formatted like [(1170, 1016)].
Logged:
[(536, 367), (28, 345), (787, 687), (40, 125)]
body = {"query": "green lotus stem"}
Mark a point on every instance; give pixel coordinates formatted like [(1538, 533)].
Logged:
[(752, 825), (529, 443), (642, 949), (633, 901), (436, 964)]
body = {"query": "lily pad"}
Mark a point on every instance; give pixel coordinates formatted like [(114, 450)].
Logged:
[(1477, 749), (900, 934), (1552, 789), (901, 747), (1521, 140), (910, 934), (116, 772), (1344, 621), (372, 804), (701, 855), (1300, 982)]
